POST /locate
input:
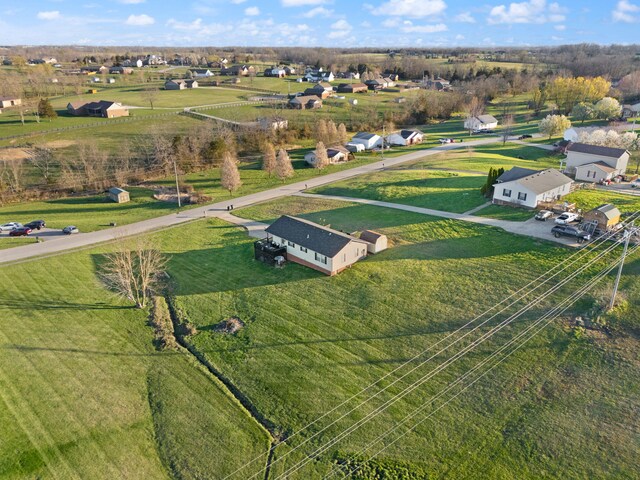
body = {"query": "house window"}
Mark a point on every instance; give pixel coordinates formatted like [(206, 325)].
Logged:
[(291, 244), (302, 249), (321, 258), (506, 192), (522, 196)]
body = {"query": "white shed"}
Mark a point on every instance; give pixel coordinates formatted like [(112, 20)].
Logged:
[(369, 140), (376, 242), (481, 122)]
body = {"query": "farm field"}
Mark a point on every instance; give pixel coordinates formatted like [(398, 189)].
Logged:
[(300, 354), (86, 395)]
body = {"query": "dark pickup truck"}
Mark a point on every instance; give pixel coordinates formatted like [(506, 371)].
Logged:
[(570, 231)]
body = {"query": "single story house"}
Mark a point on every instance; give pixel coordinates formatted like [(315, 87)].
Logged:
[(321, 248), (319, 76), (180, 84), (376, 84), (322, 90), (102, 108), (304, 102), (118, 195), (481, 122), (389, 81), (368, 140), (201, 72), (352, 88), (6, 102), (405, 137), (527, 188), (288, 70), (438, 84), (238, 70), (349, 75), (586, 156), (121, 70), (355, 147), (631, 110), (603, 217), (273, 123), (275, 72), (376, 242), (335, 154)]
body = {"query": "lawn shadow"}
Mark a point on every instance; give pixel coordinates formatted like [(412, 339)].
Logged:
[(52, 304)]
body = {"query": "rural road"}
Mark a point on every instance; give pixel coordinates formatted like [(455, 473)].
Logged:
[(217, 209)]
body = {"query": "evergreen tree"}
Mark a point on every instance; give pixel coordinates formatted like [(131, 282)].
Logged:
[(45, 109)]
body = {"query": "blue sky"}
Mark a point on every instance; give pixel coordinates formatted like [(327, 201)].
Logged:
[(346, 23)]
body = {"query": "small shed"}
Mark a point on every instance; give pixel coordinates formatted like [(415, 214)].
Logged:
[(606, 216), (376, 242), (118, 195)]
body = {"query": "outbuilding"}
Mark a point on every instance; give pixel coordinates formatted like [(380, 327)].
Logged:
[(376, 242), (368, 140), (481, 122), (605, 216), (118, 195)]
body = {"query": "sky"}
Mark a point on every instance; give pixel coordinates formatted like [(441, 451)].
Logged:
[(327, 23)]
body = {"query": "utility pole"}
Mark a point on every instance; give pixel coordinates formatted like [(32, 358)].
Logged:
[(627, 237), (175, 169)]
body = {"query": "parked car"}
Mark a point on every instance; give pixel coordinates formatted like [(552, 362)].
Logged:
[(570, 231), (446, 140), (36, 225), (20, 232), (635, 183), (544, 215), (70, 230), (7, 227), (526, 135), (566, 218)]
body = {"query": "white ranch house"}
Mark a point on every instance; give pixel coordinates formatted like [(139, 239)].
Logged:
[(335, 154), (368, 140), (481, 122), (527, 188), (593, 163), (405, 137)]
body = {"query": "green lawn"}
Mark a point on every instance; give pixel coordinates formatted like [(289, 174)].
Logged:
[(451, 192), (587, 199), (83, 393), (9, 242), (505, 212), (312, 341)]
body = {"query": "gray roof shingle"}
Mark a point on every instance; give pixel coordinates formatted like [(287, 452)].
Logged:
[(543, 180), (317, 238), (596, 150), (515, 173)]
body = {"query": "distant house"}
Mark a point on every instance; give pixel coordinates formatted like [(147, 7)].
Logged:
[(376, 242), (405, 137), (118, 195), (102, 108), (322, 90), (273, 123), (631, 110), (6, 102), (121, 70), (389, 82), (319, 76), (275, 72), (111, 80), (376, 84), (481, 122), (91, 70), (527, 188), (604, 217), (335, 154), (180, 84), (305, 102), (321, 248), (352, 88), (368, 140), (593, 163), (238, 70), (201, 72), (438, 84)]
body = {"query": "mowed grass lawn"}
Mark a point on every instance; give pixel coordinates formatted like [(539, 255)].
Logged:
[(84, 394), (448, 191), (311, 342), (588, 199)]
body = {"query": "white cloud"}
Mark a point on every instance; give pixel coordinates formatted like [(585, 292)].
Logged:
[(238, 2), (340, 29), (391, 22), (459, 37), (252, 11), (533, 11), (624, 12), (560, 28), (440, 27), (318, 12), (464, 17), (140, 20), (131, 2), (53, 15), (411, 8), (299, 3)]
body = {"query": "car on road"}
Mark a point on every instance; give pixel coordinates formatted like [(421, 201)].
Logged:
[(566, 218), (635, 183), (70, 230), (544, 215), (570, 231), (7, 227), (36, 225), (446, 140), (526, 135), (20, 232)]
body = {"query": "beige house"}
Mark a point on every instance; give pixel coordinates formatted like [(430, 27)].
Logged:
[(180, 84), (335, 154), (304, 102), (315, 246), (118, 195), (102, 108), (6, 102)]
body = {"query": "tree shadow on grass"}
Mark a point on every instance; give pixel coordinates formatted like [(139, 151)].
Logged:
[(80, 351), (51, 304)]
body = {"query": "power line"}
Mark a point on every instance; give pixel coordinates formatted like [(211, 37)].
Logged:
[(574, 258)]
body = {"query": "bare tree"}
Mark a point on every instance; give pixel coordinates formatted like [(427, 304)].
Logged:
[(507, 127), (332, 133), (150, 94), (269, 159), (134, 270), (322, 160), (229, 174), (43, 161), (321, 131), (284, 169), (474, 108), (342, 134)]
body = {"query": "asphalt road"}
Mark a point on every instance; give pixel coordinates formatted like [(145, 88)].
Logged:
[(82, 240)]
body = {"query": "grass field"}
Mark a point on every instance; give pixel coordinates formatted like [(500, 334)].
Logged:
[(85, 395), (587, 199), (451, 192), (9, 242), (504, 212)]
